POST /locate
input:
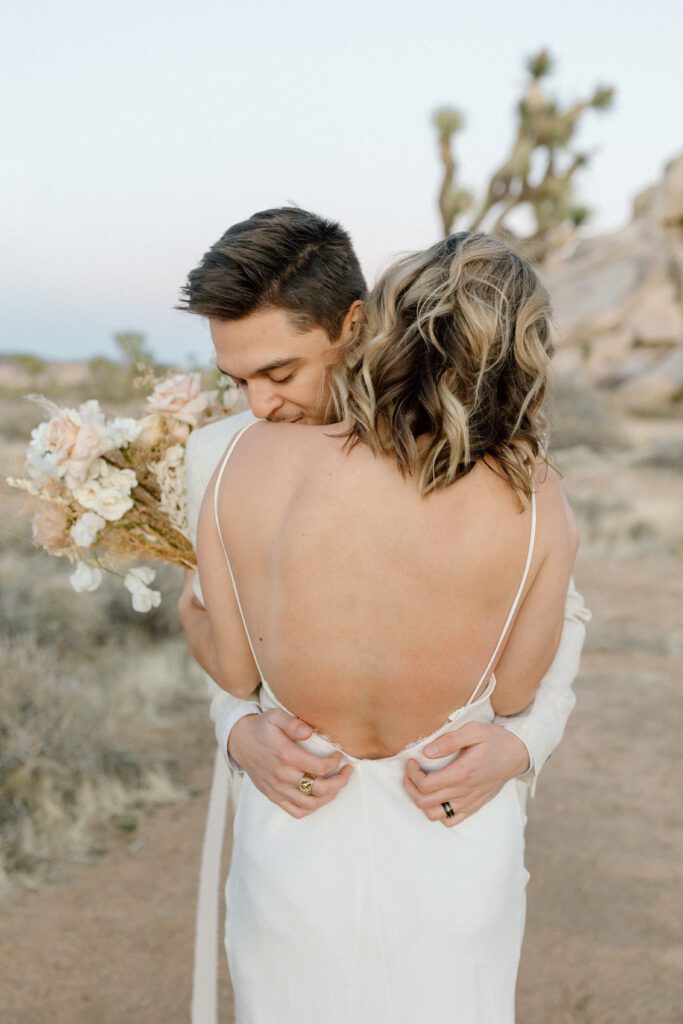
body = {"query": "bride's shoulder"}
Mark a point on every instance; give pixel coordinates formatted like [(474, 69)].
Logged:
[(555, 518), (554, 510)]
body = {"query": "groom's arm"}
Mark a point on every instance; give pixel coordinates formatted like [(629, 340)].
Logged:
[(541, 725)]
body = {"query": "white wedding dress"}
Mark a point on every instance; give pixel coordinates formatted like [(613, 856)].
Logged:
[(367, 912)]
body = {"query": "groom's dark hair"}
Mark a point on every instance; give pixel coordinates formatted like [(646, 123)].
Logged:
[(285, 258)]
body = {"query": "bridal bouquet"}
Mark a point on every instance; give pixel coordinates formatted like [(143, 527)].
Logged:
[(112, 490)]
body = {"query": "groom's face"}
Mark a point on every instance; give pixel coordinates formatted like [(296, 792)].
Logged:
[(282, 370)]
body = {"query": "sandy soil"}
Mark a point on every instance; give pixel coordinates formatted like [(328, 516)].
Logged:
[(113, 941)]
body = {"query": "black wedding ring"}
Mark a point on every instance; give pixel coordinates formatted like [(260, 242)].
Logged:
[(450, 813)]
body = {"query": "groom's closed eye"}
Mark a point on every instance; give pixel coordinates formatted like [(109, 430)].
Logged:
[(239, 383)]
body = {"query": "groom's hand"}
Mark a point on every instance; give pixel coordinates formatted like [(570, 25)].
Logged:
[(265, 746), (489, 757)]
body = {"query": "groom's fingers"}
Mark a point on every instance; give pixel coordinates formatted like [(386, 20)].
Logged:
[(323, 789), (300, 804), (296, 761), (291, 755), (452, 775), (432, 808), (429, 801)]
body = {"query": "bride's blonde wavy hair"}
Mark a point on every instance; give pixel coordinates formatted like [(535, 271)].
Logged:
[(451, 364)]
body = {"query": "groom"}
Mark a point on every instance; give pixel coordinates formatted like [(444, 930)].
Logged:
[(281, 292)]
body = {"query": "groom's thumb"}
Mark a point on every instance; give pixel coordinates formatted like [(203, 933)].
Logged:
[(295, 728), (451, 742)]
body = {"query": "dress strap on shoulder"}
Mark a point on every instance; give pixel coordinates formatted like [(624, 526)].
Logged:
[(513, 609), (230, 449)]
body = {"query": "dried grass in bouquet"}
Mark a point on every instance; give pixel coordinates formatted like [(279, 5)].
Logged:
[(112, 490)]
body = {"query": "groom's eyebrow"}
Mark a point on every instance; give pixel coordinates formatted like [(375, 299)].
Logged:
[(276, 364)]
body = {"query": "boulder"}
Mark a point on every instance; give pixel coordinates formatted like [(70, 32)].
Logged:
[(618, 301)]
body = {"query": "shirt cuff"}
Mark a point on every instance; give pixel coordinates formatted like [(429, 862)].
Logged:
[(529, 776), (245, 708)]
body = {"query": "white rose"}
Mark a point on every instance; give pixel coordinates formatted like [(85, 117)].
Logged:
[(84, 531), (136, 583), (123, 480), (107, 494), (39, 461), (124, 430), (86, 578)]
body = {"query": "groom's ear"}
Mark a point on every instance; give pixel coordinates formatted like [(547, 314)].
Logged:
[(351, 319)]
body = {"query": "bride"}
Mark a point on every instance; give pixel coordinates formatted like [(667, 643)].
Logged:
[(388, 577)]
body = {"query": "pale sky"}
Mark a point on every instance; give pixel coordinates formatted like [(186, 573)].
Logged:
[(134, 132)]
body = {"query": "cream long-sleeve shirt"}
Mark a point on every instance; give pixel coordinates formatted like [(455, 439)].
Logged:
[(540, 726)]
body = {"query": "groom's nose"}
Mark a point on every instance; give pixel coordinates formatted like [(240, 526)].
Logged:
[(263, 398)]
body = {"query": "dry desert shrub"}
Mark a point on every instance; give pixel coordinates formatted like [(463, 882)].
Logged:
[(86, 682)]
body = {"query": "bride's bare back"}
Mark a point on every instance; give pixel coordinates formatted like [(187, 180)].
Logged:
[(374, 611)]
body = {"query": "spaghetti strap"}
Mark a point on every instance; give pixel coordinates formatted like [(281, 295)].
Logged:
[(228, 453), (506, 625)]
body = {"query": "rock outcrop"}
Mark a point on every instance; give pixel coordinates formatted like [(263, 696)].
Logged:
[(618, 301)]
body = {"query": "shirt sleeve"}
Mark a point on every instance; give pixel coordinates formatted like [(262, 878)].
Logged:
[(226, 711), (541, 726)]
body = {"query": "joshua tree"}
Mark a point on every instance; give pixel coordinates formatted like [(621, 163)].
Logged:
[(537, 175), (133, 348)]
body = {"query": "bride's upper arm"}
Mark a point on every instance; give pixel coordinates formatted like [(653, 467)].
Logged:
[(233, 658), (537, 629)]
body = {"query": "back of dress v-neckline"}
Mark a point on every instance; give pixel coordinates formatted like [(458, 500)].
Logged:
[(487, 673)]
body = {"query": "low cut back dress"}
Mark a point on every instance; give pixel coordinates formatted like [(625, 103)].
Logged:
[(367, 912)]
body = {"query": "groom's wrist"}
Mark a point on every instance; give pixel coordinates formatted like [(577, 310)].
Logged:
[(237, 737), (526, 758)]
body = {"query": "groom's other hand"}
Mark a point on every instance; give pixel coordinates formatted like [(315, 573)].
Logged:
[(265, 746), (488, 757)]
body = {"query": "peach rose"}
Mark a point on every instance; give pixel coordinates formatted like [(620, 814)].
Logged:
[(49, 529), (74, 438), (180, 396)]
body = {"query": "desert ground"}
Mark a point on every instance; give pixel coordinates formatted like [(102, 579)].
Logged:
[(102, 931)]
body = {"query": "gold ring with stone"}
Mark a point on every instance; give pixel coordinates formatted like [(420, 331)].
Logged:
[(306, 783)]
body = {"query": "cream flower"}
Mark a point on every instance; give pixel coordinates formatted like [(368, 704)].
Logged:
[(86, 578), (151, 429), (170, 473), (84, 531), (39, 462), (180, 396), (136, 582), (68, 443), (124, 430), (108, 493)]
